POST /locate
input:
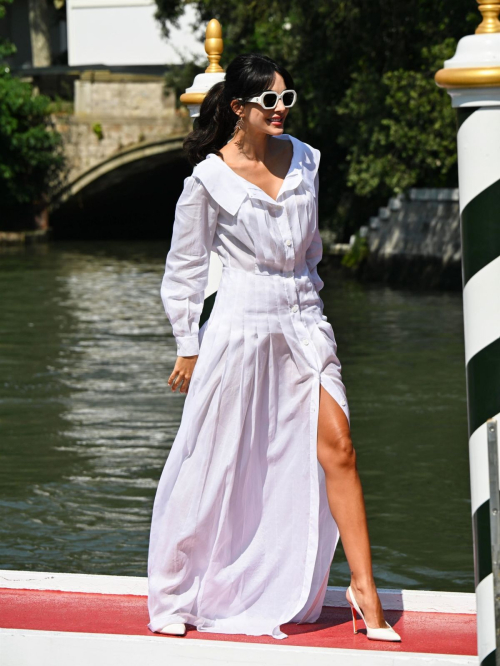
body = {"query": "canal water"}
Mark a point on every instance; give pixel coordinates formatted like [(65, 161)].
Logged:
[(87, 417)]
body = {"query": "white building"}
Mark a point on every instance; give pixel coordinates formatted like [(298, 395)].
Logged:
[(125, 32), (82, 33)]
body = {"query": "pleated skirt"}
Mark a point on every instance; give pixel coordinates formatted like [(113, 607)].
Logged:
[(242, 537)]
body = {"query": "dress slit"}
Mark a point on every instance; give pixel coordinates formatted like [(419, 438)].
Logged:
[(312, 610)]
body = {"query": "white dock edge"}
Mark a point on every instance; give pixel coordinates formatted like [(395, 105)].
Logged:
[(409, 600), (20, 647)]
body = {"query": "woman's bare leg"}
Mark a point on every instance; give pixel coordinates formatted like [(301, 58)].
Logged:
[(345, 498)]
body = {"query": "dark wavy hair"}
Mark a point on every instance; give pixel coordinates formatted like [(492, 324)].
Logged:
[(247, 75)]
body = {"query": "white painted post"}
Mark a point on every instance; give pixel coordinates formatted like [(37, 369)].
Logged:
[(472, 78)]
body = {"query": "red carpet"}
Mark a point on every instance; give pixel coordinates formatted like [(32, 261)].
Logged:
[(125, 614)]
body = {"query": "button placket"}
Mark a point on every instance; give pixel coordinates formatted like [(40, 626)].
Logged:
[(302, 332), (286, 236)]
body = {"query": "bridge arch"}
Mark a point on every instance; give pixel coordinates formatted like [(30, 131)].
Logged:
[(130, 194)]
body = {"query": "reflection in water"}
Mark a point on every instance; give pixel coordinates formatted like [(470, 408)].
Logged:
[(87, 417)]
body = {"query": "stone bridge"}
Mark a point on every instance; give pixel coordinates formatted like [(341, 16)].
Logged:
[(125, 162)]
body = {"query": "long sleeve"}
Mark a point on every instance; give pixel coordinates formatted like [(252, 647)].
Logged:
[(314, 252), (186, 268)]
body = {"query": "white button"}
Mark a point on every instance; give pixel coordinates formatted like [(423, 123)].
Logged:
[(295, 308), (343, 403), (288, 241), (305, 341)]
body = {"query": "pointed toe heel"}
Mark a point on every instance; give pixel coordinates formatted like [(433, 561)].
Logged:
[(374, 633), (175, 629)]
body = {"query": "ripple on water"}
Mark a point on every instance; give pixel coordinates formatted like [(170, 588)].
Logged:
[(87, 418)]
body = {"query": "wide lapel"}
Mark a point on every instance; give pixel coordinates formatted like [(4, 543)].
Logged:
[(294, 176), (309, 163), (229, 195)]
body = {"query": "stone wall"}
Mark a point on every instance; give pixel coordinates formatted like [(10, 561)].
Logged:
[(123, 95), (415, 239), (114, 111)]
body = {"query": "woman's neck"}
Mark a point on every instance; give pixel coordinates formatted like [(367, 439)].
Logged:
[(254, 147)]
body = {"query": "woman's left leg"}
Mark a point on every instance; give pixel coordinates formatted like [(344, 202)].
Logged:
[(337, 456)]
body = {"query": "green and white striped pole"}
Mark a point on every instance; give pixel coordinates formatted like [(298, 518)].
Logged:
[(472, 78)]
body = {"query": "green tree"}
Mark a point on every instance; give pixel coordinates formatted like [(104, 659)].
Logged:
[(31, 152), (408, 137), (6, 48), (364, 72)]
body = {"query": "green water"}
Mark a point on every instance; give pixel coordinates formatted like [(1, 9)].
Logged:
[(87, 417)]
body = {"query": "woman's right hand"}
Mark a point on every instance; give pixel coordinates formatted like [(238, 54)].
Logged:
[(182, 372)]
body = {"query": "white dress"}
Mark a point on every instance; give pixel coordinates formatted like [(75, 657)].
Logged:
[(242, 537)]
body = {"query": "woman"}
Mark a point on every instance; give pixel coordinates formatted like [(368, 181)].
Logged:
[(262, 474)]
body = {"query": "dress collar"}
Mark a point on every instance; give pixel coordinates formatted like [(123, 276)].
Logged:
[(303, 167)]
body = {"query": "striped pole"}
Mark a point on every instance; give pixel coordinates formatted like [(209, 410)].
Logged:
[(472, 78)]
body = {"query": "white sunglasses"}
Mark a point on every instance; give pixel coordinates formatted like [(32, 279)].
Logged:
[(269, 99)]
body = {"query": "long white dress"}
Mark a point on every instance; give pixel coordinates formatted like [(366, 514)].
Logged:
[(242, 537)]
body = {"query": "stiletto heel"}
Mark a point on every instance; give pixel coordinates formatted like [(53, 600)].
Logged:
[(354, 620), (375, 633)]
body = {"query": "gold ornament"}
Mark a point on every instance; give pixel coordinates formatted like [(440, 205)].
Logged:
[(490, 10), (475, 77)]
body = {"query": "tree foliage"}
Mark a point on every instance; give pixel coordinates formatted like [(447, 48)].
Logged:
[(411, 140), (364, 72), (6, 47), (31, 156)]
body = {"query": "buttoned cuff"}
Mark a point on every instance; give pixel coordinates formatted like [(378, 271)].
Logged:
[(188, 345)]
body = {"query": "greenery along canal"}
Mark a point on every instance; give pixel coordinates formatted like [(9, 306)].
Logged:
[(87, 417)]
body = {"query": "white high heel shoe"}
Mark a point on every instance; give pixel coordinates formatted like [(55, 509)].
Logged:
[(375, 633), (177, 629)]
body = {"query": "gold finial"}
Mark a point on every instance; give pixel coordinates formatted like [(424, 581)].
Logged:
[(214, 46), (485, 76), (490, 10)]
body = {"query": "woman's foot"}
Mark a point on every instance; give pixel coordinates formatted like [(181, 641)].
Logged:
[(369, 602)]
